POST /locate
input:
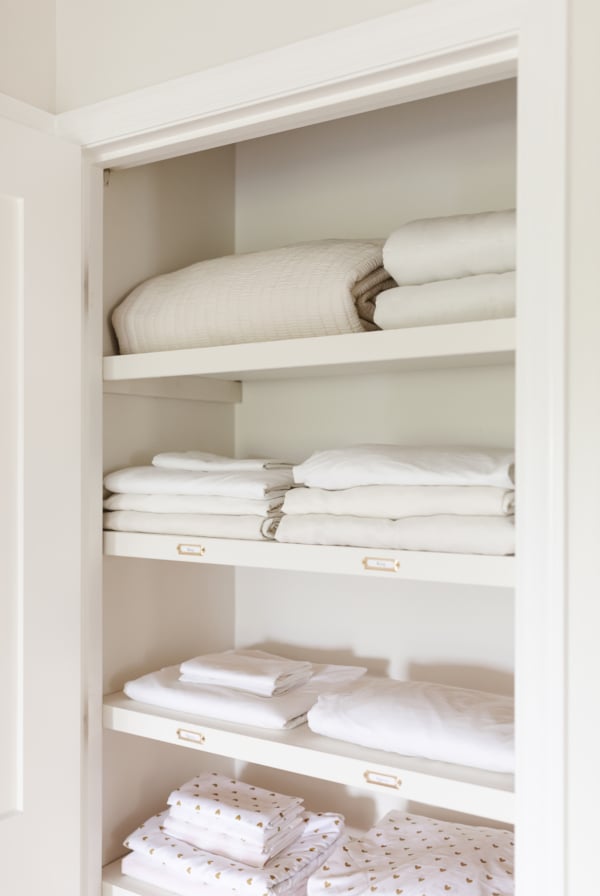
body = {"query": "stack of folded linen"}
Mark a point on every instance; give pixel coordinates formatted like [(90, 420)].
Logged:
[(249, 687), (229, 836), (456, 500), (415, 855), (449, 270), (319, 288), (199, 494), (420, 718)]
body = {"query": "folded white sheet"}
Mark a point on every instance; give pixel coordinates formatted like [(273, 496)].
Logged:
[(255, 671), (195, 504), (308, 289), (207, 525), (164, 689), (395, 501), (451, 534), (204, 462), (280, 875), (154, 481), (234, 847), (482, 297), (406, 465), (420, 718), (455, 246), (415, 855)]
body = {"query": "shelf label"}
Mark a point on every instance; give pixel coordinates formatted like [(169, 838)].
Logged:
[(191, 550), (382, 564), (192, 737), (383, 779)]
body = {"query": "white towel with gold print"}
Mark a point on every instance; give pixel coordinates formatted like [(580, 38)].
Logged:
[(282, 874)]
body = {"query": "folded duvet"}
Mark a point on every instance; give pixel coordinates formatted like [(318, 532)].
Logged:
[(209, 525), (255, 671), (406, 465), (164, 689), (195, 504), (204, 462), (448, 248), (447, 533), (419, 718), (309, 289), (394, 501), (482, 297), (156, 481)]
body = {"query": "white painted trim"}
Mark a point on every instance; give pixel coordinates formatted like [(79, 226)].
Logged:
[(29, 116), (190, 388), (433, 47)]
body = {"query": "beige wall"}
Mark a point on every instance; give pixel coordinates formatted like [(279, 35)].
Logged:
[(105, 49), (28, 51)]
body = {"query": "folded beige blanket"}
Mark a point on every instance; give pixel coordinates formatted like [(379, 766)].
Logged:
[(209, 525), (317, 288)]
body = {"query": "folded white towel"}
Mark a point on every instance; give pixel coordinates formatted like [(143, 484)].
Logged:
[(164, 689), (155, 481), (419, 718), (412, 854), (395, 501), (455, 246), (452, 534), (405, 465), (482, 297), (204, 462), (199, 525), (196, 504), (280, 875), (254, 671)]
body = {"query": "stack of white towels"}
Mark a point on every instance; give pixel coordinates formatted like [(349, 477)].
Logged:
[(457, 500), (244, 686), (199, 494), (231, 837), (449, 270)]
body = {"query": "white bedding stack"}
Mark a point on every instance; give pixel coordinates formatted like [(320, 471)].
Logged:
[(229, 836), (455, 500), (449, 270), (198, 494)]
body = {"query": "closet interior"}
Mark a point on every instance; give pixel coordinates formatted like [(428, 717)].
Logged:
[(434, 617)]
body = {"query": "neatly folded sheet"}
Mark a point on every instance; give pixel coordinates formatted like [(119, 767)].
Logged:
[(285, 873), (420, 718), (395, 501), (415, 855), (255, 671), (448, 248), (204, 462), (164, 689), (195, 504), (309, 289), (482, 297), (452, 534), (156, 481), (207, 525), (338, 468)]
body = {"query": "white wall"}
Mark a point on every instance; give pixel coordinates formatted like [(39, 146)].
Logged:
[(105, 49), (28, 51)]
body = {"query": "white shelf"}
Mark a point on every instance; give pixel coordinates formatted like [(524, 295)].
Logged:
[(114, 883), (464, 569), (459, 788), (473, 344)]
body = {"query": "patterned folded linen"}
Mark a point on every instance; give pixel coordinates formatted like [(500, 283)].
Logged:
[(447, 248), (338, 468), (308, 289), (482, 297), (207, 525), (420, 718), (156, 481), (395, 501), (447, 533), (164, 689), (282, 874), (196, 504), (204, 462), (415, 855), (255, 671)]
